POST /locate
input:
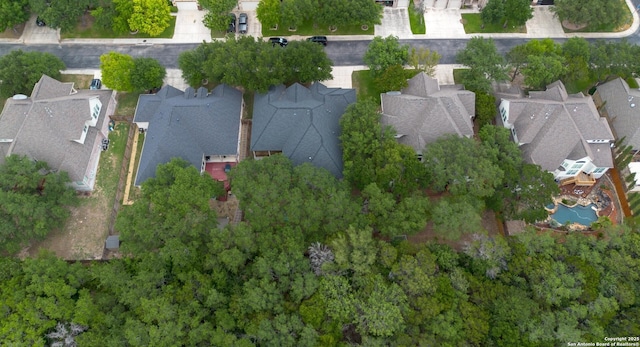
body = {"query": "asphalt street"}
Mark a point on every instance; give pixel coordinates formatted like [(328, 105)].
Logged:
[(342, 53)]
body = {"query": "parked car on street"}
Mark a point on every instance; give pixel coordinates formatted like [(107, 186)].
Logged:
[(232, 23), (318, 39), (279, 41), (242, 23)]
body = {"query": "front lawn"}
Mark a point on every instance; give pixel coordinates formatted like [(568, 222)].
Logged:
[(85, 30), (79, 81), (308, 28), (473, 24), (366, 87), (607, 28), (416, 19)]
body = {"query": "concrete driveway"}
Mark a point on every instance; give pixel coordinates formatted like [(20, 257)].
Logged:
[(34, 34), (444, 24), (189, 25), (395, 21)]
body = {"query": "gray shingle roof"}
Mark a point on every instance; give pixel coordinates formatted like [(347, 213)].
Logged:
[(624, 118), (424, 111), (44, 127), (188, 126), (302, 122), (553, 126)]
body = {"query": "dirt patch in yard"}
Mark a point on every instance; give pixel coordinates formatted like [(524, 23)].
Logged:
[(13, 34), (84, 233), (489, 223)]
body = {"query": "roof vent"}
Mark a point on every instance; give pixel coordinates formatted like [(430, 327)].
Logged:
[(632, 105)]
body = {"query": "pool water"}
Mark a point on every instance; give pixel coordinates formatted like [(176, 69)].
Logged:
[(584, 215)]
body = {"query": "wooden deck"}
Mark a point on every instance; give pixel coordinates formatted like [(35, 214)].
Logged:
[(581, 180)]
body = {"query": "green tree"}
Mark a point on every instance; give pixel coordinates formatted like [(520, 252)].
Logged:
[(310, 203), (19, 71), (268, 13), (116, 71), (576, 52), (173, 213), (12, 13), (461, 166), (123, 10), (392, 218), (192, 64), (303, 62), (526, 189), (482, 57), (383, 53), (613, 58), (591, 12), (454, 217), (542, 70), (493, 12), (424, 59), (147, 73), (104, 16), (62, 14), (33, 201), (517, 12), (486, 110), (150, 16), (359, 12), (392, 78), (217, 16)]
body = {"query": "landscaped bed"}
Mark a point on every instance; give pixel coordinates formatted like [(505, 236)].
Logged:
[(308, 28), (473, 24)]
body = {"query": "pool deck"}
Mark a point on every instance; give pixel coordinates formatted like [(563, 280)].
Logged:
[(589, 195)]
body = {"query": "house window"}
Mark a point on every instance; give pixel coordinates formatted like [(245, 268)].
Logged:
[(572, 172), (503, 112), (599, 170), (577, 165)]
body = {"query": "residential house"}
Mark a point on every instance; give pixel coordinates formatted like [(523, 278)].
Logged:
[(200, 127), (59, 125), (562, 133), (618, 103), (425, 111), (302, 123)]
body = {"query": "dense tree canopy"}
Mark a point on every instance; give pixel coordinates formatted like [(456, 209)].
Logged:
[(12, 13), (253, 64), (62, 14), (19, 71), (383, 53), (217, 16), (286, 281), (116, 71), (594, 13), (33, 201), (147, 73), (484, 61), (150, 16), (507, 12)]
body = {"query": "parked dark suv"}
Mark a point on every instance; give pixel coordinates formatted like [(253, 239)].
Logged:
[(279, 41), (318, 39), (95, 84), (232, 23)]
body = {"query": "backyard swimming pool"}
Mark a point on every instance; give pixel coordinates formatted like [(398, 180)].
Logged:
[(584, 215)]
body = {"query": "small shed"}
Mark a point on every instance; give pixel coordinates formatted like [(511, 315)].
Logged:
[(113, 242)]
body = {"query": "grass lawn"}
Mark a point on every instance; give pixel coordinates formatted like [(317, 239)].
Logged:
[(458, 75), (473, 24), (416, 19), (79, 81), (11, 34), (248, 104), (127, 103), (88, 30), (308, 28), (366, 87)]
